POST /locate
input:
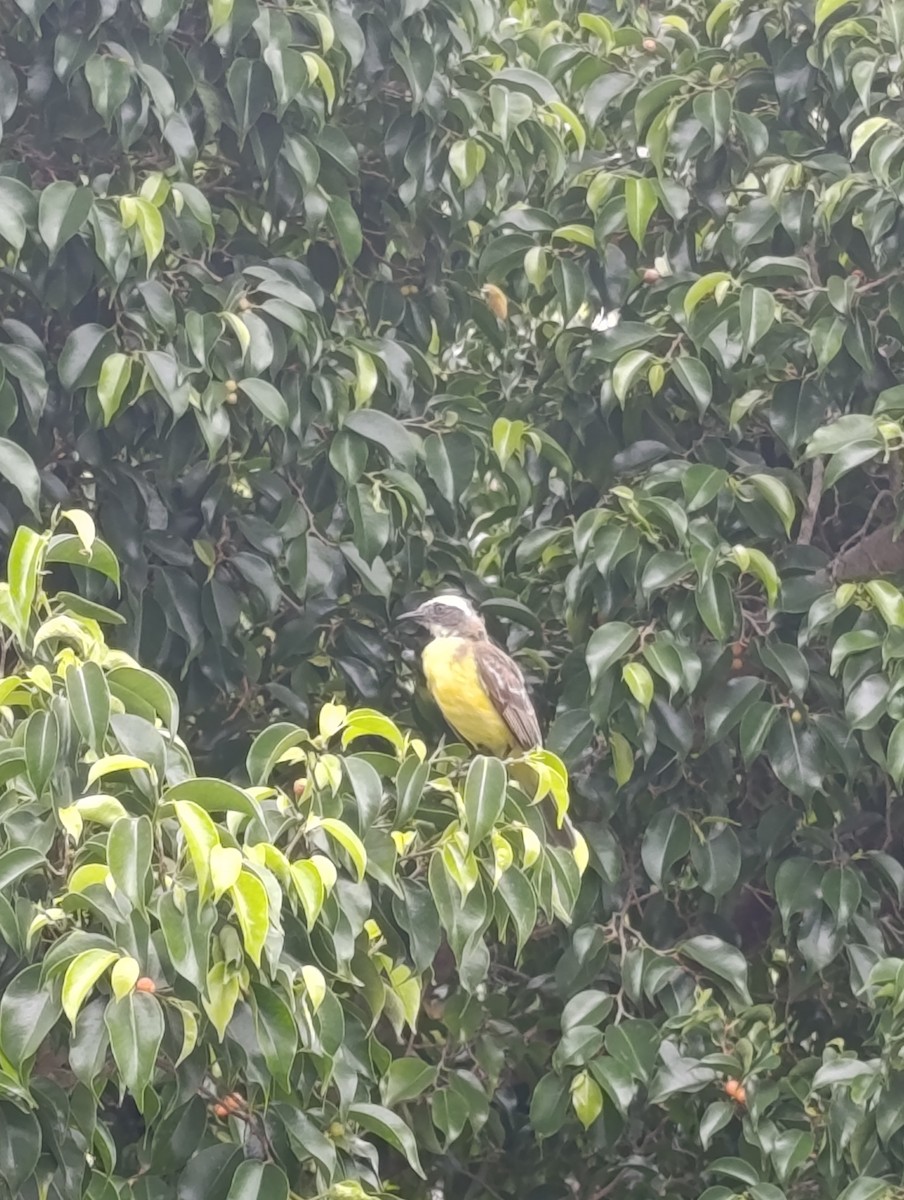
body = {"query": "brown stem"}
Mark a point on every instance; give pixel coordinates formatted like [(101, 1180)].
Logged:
[(808, 521)]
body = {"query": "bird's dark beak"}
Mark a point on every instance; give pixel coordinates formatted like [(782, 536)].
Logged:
[(414, 617)]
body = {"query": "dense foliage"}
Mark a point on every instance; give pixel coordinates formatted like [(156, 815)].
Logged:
[(593, 310)]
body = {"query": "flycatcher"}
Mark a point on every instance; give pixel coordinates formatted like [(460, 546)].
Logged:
[(478, 688)]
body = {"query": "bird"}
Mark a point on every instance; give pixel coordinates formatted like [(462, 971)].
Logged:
[(477, 687)]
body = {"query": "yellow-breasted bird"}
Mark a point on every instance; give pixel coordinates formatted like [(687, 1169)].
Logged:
[(477, 687)]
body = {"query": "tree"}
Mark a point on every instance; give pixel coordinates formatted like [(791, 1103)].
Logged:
[(594, 311)]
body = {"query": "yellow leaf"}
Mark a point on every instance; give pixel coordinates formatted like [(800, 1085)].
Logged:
[(315, 985), (225, 868), (332, 718), (115, 762), (124, 976)]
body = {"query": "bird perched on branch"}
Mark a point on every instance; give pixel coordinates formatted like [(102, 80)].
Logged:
[(478, 688)]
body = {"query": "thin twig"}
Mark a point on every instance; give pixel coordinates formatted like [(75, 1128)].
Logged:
[(864, 528)]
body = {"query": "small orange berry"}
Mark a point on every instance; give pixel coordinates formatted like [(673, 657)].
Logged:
[(651, 275), (221, 1111), (736, 1091), (650, 44), (233, 1102), (737, 664), (299, 786), (146, 984)]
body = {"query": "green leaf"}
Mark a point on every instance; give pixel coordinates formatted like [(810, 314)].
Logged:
[(63, 209), (666, 840), (18, 211), (80, 359), (467, 158), (867, 130), (65, 548), (186, 927), (135, 1025), (130, 847), (726, 705), (757, 308), (110, 80), (401, 444), (267, 400), (865, 704), (581, 235), (221, 998), (717, 862), (18, 467), (213, 795), (777, 496), (607, 645), (702, 289), (713, 110), (20, 1146), (695, 378), (42, 746), (89, 700), (484, 797), (268, 748), (405, 1080), (895, 753), (866, 1188), (18, 861), (391, 1128), (277, 1032), (626, 371), (615, 1081), (345, 222), (258, 1181), (348, 840), (842, 892), (622, 758), (248, 85), (641, 202), (29, 1009), (589, 1007), (720, 959)]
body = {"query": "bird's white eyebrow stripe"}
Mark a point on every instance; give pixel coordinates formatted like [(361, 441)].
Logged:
[(454, 601)]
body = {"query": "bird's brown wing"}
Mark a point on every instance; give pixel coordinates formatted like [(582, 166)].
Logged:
[(506, 688)]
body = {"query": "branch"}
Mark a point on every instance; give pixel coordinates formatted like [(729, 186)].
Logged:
[(879, 553), (808, 521)]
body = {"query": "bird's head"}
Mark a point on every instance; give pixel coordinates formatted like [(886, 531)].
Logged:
[(448, 616)]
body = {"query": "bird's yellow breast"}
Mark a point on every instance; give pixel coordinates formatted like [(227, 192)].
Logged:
[(452, 677)]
